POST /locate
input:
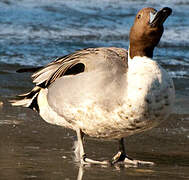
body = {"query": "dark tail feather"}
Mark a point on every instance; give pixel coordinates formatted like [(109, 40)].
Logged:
[(32, 70), (28, 100)]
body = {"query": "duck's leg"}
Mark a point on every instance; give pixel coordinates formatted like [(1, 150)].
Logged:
[(83, 157), (122, 158), (121, 155)]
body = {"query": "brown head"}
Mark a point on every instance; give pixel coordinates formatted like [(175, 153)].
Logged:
[(146, 31)]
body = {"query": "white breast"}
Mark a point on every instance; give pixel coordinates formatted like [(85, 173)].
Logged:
[(150, 93)]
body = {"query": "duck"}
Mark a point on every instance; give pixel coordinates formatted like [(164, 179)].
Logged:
[(107, 93)]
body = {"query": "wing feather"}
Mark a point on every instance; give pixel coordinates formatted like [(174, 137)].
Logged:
[(56, 69)]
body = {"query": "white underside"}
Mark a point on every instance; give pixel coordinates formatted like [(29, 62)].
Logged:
[(136, 101)]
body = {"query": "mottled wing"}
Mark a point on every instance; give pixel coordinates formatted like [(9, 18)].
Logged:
[(65, 65)]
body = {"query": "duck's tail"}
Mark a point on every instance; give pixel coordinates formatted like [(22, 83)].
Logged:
[(28, 99)]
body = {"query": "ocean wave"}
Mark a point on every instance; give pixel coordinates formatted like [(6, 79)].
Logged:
[(34, 33), (179, 74)]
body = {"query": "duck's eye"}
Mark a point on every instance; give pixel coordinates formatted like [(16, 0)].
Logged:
[(139, 16), (154, 12)]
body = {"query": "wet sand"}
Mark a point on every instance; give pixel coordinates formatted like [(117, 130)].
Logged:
[(32, 149)]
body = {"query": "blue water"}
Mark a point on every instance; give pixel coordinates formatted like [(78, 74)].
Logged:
[(35, 32)]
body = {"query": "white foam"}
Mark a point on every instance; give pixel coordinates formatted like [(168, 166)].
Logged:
[(176, 36), (179, 74)]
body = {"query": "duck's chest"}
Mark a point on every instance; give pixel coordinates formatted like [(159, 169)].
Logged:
[(148, 84), (150, 94), (148, 100)]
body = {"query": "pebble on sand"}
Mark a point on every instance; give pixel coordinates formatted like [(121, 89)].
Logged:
[(1, 103)]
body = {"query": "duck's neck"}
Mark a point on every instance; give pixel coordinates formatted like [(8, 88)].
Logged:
[(140, 50)]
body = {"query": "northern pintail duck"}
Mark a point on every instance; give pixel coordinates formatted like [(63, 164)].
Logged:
[(107, 92)]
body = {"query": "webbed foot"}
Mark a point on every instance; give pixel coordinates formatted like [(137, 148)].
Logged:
[(122, 159)]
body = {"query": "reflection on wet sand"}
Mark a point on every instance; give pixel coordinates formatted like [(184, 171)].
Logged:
[(80, 173), (117, 168)]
